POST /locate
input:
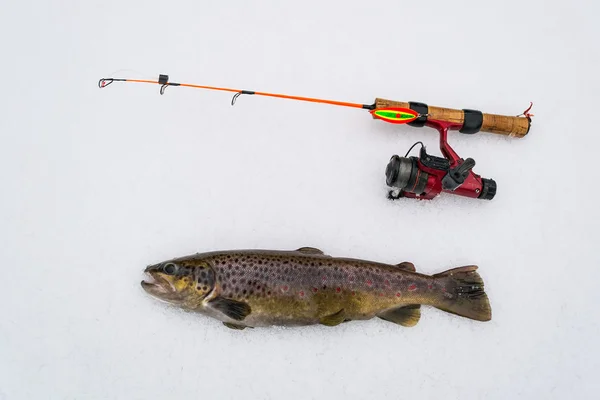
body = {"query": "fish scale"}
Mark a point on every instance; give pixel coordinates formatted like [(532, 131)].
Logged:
[(293, 274)]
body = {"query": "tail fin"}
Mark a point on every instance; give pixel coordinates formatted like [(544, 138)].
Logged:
[(463, 294)]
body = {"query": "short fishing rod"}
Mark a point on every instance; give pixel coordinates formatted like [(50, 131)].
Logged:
[(396, 112), (422, 177)]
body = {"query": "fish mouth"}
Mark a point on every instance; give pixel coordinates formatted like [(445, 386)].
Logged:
[(156, 285)]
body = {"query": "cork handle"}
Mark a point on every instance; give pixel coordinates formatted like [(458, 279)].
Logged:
[(501, 124)]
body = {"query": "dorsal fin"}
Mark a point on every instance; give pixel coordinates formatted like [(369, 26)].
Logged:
[(405, 316), (311, 250), (407, 266)]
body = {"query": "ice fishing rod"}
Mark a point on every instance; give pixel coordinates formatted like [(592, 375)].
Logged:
[(396, 112), (422, 177)]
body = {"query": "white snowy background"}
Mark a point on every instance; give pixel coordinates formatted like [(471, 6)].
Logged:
[(97, 184)]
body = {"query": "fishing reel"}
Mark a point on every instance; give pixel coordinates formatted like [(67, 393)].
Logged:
[(426, 176)]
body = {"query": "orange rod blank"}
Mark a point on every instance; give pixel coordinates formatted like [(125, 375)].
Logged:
[(280, 96)]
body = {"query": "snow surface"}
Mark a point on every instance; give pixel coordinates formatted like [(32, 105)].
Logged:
[(98, 184)]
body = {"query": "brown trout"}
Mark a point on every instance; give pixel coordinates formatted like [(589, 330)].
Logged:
[(251, 288)]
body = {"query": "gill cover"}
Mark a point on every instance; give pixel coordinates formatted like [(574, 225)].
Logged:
[(182, 283), (204, 279)]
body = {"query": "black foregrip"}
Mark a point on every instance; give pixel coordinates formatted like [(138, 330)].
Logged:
[(473, 121), (422, 109)]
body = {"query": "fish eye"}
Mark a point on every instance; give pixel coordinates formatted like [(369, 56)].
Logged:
[(170, 268)]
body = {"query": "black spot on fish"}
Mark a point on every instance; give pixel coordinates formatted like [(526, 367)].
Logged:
[(224, 286), (203, 274), (234, 281), (204, 288)]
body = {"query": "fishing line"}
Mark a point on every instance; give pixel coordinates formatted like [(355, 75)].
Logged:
[(413, 146)]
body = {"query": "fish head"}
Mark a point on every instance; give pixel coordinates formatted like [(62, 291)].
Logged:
[(182, 283)]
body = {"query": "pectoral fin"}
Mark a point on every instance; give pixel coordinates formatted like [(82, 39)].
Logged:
[(405, 316), (407, 266), (334, 319), (234, 309)]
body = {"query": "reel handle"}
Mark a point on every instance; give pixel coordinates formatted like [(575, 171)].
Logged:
[(472, 121)]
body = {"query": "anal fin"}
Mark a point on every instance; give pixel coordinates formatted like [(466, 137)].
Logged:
[(334, 319), (405, 316)]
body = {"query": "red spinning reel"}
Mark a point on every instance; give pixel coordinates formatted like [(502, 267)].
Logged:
[(426, 176)]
